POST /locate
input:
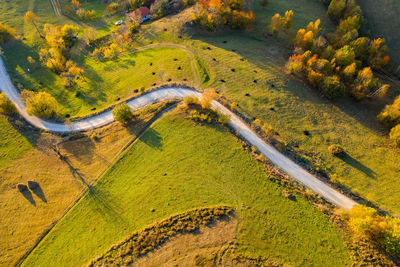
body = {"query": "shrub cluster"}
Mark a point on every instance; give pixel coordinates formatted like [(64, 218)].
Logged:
[(281, 24), (6, 106), (335, 149), (74, 9), (212, 14), (106, 52), (390, 117), (367, 222), (340, 60), (201, 110), (60, 40)]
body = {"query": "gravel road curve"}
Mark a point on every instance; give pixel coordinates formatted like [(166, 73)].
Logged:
[(276, 157)]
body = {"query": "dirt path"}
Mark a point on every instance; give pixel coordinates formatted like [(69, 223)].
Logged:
[(276, 157)]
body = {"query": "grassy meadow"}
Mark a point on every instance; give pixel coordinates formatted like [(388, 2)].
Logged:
[(245, 67), (248, 68), (27, 155), (178, 165)]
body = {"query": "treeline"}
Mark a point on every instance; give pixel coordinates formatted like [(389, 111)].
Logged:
[(340, 62), (385, 231), (212, 14)]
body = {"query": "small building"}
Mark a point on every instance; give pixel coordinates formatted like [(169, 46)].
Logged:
[(141, 14)]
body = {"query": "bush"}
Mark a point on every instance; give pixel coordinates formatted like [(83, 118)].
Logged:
[(335, 149), (207, 97), (234, 106), (123, 113), (6, 33), (6, 106), (345, 56), (390, 116), (191, 100), (41, 104), (391, 238), (224, 118), (395, 135), (365, 221), (333, 87), (295, 64)]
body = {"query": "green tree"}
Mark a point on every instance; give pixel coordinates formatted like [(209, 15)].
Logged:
[(336, 9), (345, 56), (123, 113), (333, 88)]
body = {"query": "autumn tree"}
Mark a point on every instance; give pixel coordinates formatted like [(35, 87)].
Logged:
[(295, 64), (41, 104), (279, 23), (365, 84), (333, 88), (336, 9), (209, 94), (378, 54), (345, 56), (390, 116), (31, 18), (305, 37), (72, 74)]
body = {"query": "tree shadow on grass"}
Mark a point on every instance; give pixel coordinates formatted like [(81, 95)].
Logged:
[(28, 195), (357, 165), (39, 193), (103, 206), (152, 138)]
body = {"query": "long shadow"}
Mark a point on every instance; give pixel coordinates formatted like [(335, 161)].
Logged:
[(80, 146), (152, 138), (356, 164), (103, 206), (28, 195), (39, 192)]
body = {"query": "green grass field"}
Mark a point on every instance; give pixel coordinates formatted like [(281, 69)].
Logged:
[(370, 167), (179, 165)]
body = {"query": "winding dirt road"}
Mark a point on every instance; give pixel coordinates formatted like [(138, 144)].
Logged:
[(277, 158)]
